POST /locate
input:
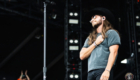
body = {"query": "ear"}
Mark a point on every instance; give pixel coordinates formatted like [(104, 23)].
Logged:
[(103, 18)]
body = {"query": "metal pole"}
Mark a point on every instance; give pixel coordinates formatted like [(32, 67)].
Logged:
[(44, 68), (51, 64)]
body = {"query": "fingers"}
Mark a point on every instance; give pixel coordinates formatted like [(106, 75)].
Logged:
[(101, 38)]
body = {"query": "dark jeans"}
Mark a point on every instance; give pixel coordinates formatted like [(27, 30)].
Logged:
[(96, 74)]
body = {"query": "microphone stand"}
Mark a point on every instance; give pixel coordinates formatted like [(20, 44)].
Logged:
[(45, 27), (45, 33)]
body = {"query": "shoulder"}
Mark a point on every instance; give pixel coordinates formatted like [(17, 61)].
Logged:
[(112, 31), (87, 39)]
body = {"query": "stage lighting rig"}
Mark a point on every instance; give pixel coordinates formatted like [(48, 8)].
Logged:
[(73, 39)]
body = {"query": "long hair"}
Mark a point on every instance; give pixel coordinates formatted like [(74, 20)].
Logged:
[(106, 26)]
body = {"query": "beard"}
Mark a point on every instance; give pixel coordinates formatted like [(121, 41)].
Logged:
[(97, 24)]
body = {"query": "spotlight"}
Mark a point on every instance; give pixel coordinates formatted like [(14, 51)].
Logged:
[(76, 76), (71, 76), (75, 14), (124, 61), (139, 43), (137, 17), (71, 41), (76, 41), (71, 14)]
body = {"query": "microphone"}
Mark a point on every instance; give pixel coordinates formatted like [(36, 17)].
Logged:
[(50, 2)]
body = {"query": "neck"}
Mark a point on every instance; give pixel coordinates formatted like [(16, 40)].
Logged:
[(99, 29)]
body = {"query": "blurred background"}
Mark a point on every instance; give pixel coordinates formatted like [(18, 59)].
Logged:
[(21, 42)]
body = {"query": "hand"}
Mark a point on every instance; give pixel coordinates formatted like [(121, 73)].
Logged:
[(99, 40), (105, 75), (26, 72)]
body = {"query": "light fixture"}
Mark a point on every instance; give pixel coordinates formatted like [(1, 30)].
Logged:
[(76, 41), (139, 43), (71, 76), (137, 17), (71, 14), (76, 76), (124, 61), (71, 41), (138, 49), (137, 23), (73, 47), (75, 14), (73, 21)]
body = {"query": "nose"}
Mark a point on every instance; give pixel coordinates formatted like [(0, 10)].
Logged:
[(91, 20)]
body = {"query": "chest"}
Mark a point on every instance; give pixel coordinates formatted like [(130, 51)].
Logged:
[(104, 43)]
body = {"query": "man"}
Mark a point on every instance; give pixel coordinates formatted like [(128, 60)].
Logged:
[(101, 46)]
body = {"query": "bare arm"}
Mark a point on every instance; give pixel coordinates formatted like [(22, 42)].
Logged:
[(113, 53), (21, 75), (27, 75), (85, 52)]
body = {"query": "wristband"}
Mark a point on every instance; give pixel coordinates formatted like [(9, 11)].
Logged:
[(95, 44), (107, 70)]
